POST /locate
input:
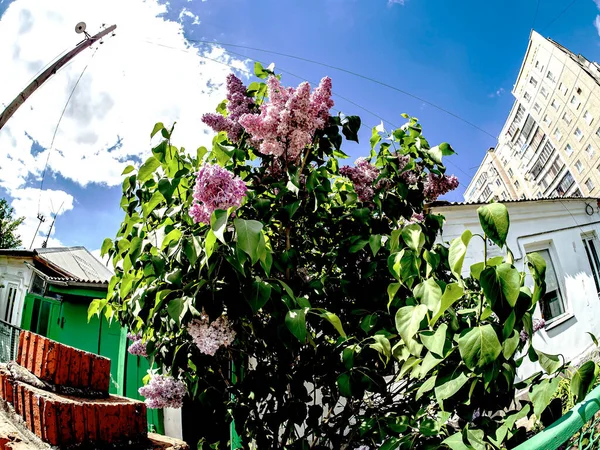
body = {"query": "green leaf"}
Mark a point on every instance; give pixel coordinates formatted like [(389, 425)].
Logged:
[(427, 386), (550, 363), (434, 342), (452, 293), (260, 71), (218, 223), (594, 339), (583, 380), (157, 127), (147, 169), (128, 169), (392, 289), (335, 321), (429, 362), (209, 243), (510, 345), (173, 235), (479, 346), (495, 222), (476, 270), (106, 246), (375, 243), (150, 205), (176, 309), (429, 293), (413, 237), (383, 346), (408, 320), (295, 320), (200, 152), (350, 127), (261, 292), (358, 246), (542, 394), (457, 252), (343, 383), (510, 282), (249, 238), (404, 266), (455, 442), (450, 387)]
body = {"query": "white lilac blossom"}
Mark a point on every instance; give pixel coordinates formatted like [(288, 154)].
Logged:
[(163, 391), (210, 336)]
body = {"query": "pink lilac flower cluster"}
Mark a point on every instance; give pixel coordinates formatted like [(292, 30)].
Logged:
[(238, 104), (163, 392), (412, 176), (210, 336), (362, 176), (216, 188), (288, 121), (137, 347), (416, 218), (437, 185), (538, 324)]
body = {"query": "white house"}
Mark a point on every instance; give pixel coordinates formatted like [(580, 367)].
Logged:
[(15, 279), (565, 231)]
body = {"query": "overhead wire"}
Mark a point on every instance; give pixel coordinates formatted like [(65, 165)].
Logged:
[(559, 15), (341, 69), (58, 125), (537, 8)]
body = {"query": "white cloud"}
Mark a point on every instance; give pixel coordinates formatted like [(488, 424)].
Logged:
[(498, 93), (28, 202), (597, 2), (187, 13), (395, 2), (597, 24), (144, 74)]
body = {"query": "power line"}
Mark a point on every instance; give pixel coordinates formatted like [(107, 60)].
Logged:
[(537, 8), (560, 15), (341, 69), (57, 126)]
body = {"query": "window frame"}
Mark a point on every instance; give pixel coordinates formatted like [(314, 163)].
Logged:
[(593, 262)]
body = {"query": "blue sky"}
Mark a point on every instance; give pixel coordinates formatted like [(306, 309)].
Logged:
[(461, 56)]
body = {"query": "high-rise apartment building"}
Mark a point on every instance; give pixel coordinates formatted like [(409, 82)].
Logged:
[(550, 144)]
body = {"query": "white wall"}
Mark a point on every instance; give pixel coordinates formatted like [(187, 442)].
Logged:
[(14, 272), (557, 225)]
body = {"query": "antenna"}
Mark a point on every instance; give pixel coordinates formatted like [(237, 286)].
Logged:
[(45, 243), (80, 27), (41, 219)]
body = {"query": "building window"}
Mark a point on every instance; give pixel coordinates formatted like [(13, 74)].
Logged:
[(550, 76), (527, 97), (510, 173), (565, 184), (590, 243), (498, 183), (537, 108), (533, 81), (578, 90), (517, 184), (590, 185), (544, 92), (557, 134), (590, 151), (578, 134), (11, 296), (568, 149), (567, 118), (579, 166), (552, 303), (555, 104), (563, 89), (547, 121), (598, 132), (575, 102), (588, 118)]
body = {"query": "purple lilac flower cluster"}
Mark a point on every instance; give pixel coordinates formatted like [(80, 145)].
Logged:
[(416, 218), (412, 176), (437, 185), (216, 188), (137, 347), (288, 121), (163, 392), (362, 176), (538, 324), (238, 104), (210, 336)]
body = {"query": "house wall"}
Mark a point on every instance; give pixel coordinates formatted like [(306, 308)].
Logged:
[(14, 273), (558, 226)]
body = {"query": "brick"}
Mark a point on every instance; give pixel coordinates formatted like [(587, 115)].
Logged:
[(85, 370), (49, 368), (8, 390), (91, 422), (79, 422), (62, 365), (65, 423), (40, 357), (31, 350), (26, 412), (50, 423), (141, 421), (37, 409), (20, 347), (100, 373), (74, 368), (2, 395)]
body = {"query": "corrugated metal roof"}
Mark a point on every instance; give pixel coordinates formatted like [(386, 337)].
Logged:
[(440, 203), (76, 263)]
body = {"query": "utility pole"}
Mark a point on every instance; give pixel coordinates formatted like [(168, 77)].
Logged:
[(46, 74)]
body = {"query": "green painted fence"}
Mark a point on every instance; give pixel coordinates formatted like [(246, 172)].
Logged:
[(576, 429)]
